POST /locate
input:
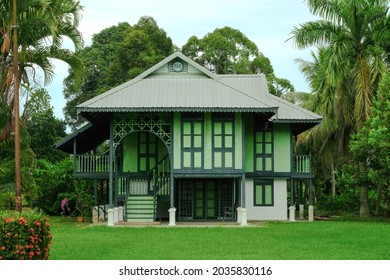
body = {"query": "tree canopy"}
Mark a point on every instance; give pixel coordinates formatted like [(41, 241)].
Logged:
[(228, 51), (116, 55)]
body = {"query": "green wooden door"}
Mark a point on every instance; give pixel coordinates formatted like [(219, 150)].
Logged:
[(209, 199)]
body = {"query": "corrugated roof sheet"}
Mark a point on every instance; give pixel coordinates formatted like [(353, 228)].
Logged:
[(183, 94), (154, 91)]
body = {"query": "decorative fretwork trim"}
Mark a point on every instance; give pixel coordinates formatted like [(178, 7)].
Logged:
[(126, 124)]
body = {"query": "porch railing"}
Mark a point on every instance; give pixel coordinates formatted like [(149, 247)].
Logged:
[(161, 176), (92, 163), (302, 163)]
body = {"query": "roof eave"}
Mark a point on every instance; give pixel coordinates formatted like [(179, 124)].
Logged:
[(177, 109)]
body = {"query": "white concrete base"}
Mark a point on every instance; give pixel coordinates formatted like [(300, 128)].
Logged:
[(301, 211), (244, 220), (292, 213), (106, 207), (95, 214), (121, 213), (101, 212), (116, 214), (110, 217), (311, 213), (239, 216), (172, 216)]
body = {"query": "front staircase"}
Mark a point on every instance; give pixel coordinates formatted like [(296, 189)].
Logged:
[(141, 208)]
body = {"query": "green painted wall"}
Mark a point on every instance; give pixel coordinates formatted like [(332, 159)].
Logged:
[(249, 149), (130, 151), (238, 141), (207, 137), (282, 148), (176, 141)]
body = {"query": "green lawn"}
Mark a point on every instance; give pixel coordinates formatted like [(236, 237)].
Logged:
[(326, 240)]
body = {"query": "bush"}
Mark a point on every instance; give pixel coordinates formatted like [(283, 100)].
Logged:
[(24, 236)]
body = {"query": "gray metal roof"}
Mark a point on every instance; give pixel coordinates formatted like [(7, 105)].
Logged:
[(161, 90)]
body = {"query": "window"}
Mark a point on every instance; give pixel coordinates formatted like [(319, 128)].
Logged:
[(263, 193), (147, 151), (223, 141), (192, 151), (264, 148)]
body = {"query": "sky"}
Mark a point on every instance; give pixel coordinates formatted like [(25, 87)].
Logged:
[(267, 23)]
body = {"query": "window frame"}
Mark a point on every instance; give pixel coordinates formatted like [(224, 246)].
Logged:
[(192, 149), (262, 155), (263, 184), (223, 119)]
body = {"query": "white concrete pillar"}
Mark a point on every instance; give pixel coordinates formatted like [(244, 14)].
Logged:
[(106, 207), (301, 211), (95, 214), (244, 217), (239, 216), (116, 214), (292, 213), (101, 212), (172, 216), (110, 217), (121, 213), (311, 213)]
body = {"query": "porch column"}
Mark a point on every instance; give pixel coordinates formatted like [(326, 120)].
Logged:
[(111, 174), (243, 210), (311, 207), (172, 209), (292, 206), (300, 200)]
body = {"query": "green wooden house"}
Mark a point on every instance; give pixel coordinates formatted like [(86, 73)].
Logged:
[(186, 144)]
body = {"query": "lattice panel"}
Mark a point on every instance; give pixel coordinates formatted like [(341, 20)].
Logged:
[(124, 125)]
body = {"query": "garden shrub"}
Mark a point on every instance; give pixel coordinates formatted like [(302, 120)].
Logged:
[(24, 236)]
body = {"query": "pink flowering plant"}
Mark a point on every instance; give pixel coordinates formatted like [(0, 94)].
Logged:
[(24, 236), (65, 208)]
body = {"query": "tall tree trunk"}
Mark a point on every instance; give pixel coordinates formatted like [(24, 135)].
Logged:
[(18, 188), (378, 200), (364, 207), (333, 178)]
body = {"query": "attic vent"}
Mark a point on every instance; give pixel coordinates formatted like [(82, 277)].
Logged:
[(178, 65)]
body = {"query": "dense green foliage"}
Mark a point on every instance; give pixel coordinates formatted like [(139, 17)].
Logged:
[(344, 75), (43, 127), (24, 237), (330, 240), (56, 182), (372, 145), (229, 51), (42, 27), (116, 55)]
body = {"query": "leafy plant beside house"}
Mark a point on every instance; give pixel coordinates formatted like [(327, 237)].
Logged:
[(24, 237), (83, 201)]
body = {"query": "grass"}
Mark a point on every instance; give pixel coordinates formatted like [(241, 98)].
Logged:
[(329, 240)]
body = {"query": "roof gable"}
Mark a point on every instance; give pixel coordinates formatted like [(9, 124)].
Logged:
[(165, 89), (178, 84)]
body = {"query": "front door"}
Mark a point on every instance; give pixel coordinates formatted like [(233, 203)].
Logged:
[(206, 199)]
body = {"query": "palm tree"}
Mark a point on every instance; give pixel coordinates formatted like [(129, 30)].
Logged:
[(36, 28), (352, 32)]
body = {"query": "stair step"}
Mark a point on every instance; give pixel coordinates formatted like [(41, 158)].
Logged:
[(140, 211), (140, 208), (141, 220)]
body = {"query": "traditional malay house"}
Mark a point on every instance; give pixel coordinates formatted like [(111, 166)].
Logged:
[(186, 144)]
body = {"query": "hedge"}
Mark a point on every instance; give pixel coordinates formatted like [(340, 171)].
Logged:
[(24, 236)]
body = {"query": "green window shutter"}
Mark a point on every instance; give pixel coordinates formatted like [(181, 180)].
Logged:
[(192, 138), (223, 143), (264, 157), (263, 193)]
